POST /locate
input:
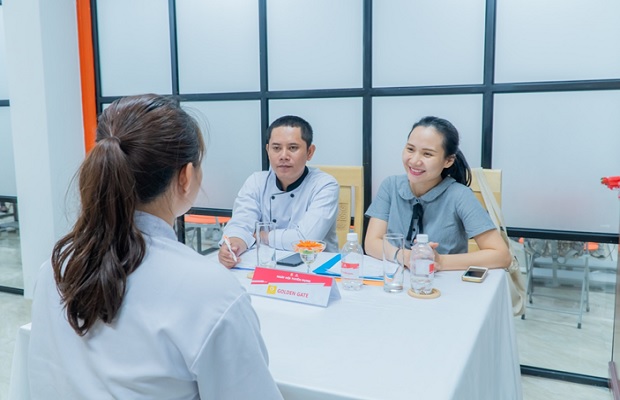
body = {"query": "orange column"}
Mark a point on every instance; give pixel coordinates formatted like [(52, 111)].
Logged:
[(87, 72)]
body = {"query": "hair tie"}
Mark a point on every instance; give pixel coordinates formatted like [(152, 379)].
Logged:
[(112, 139)]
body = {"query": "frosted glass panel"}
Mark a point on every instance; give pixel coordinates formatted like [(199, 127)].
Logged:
[(218, 46), (336, 123), (554, 148), (419, 43), (7, 164), (314, 44), (4, 82), (134, 47), (233, 140), (393, 117), (555, 40)]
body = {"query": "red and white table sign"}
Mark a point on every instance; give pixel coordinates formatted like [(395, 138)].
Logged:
[(312, 289)]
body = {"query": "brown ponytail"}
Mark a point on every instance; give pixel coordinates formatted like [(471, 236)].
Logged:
[(142, 141)]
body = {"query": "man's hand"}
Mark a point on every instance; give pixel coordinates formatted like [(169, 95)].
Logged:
[(226, 258)]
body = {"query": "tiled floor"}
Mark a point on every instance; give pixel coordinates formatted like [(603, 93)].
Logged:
[(546, 339), (549, 389)]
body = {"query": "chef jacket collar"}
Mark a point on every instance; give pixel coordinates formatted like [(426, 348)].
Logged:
[(293, 185)]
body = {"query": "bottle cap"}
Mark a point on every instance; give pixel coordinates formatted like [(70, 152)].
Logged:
[(352, 237), (422, 238)]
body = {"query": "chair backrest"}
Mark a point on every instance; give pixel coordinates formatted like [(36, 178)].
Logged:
[(351, 181), (494, 179)]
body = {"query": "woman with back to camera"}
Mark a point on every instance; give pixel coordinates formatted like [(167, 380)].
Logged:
[(433, 198), (123, 310)]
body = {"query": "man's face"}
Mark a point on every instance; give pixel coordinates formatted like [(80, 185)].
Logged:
[(288, 154)]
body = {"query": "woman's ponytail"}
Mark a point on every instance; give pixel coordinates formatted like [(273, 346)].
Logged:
[(142, 141), (92, 263), (459, 170)]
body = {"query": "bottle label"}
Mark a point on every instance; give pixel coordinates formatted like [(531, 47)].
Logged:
[(424, 267), (346, 265)]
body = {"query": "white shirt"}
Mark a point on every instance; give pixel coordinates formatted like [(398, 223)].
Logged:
[(305, 212), (185, 330)]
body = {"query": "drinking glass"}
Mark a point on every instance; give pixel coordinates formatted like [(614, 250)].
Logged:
[(308, 250), (265, 249), (393, 262)]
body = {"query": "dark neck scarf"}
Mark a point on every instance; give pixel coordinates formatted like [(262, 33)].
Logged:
[(416, 219)]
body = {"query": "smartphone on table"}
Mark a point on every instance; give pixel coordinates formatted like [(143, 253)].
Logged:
[(475, 274), (291, 261)]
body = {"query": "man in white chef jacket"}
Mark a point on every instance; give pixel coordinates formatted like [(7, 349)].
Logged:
[(302, 201)]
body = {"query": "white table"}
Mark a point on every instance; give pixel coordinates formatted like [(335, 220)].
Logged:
[(375, 345)]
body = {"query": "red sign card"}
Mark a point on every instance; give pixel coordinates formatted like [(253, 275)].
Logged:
[(294, 286)]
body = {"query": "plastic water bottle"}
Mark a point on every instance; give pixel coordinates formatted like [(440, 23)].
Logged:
[(351, 263), (422, 263)]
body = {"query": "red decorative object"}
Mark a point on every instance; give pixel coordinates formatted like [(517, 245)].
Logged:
[(612, 182)]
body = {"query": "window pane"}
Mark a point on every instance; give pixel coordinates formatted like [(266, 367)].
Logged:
[(218, 46), (570, 302), (233, 141), (336, 123), (393, 118), (553, 149), (557, 40), (203, 232), (314, 44), (418, 43), (134, 46), (11, 274), (7, 164), (4, 82)]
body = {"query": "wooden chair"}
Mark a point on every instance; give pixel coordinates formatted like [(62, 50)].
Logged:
[(351, 181), (494, 179)]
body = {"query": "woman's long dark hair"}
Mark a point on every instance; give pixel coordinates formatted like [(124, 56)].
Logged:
[(142, 142), (459, 170)]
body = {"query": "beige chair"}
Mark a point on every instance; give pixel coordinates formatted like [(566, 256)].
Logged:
[(351, 181), (494, 179)]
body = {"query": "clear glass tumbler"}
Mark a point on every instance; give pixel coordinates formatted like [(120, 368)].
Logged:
[(265, 248), (393, 262)]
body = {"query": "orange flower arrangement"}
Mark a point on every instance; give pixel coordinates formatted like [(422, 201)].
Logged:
[(310, 245)]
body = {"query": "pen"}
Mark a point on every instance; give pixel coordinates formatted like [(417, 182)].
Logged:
[(227, 241)]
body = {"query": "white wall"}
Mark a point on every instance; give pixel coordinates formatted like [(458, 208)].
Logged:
[(46, 122), (540, 139)]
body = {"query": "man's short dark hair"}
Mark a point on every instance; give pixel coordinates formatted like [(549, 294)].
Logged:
[(294, 122)]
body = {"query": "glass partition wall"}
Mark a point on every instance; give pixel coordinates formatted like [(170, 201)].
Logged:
[(570, 305), (11, 276), (533, 99)]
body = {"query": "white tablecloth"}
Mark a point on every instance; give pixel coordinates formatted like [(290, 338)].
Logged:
[(376, 345)]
